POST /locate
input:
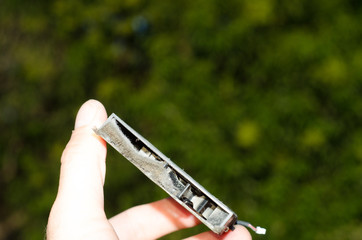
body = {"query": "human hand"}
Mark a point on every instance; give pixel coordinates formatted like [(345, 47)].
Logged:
[(78, 211)]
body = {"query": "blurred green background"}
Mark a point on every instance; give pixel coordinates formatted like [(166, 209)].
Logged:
[(258, 100)]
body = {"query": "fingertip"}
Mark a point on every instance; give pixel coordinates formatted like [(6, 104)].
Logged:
[(91, 113), (239, 232)]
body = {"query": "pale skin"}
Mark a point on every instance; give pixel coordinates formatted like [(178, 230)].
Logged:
[(78, 211)]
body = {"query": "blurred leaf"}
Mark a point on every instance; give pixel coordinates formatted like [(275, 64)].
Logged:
[(247, 134)]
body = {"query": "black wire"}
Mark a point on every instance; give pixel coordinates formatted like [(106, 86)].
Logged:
[(257, 230), (243, 223)]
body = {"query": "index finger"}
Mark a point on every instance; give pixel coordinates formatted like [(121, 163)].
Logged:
[(240, 233), (153, 220)]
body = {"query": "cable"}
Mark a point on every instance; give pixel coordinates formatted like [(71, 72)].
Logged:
[(257, 230)]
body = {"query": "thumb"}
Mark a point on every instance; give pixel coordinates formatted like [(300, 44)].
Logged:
[(82, 173), (83, 161)]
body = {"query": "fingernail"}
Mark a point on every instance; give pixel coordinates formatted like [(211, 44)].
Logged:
[(86, 114)]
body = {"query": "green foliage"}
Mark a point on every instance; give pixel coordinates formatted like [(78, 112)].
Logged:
[(258, 100)]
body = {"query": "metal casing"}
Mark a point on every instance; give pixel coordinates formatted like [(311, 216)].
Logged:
[(166, 174)]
